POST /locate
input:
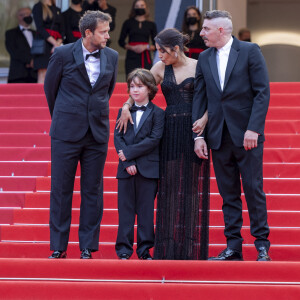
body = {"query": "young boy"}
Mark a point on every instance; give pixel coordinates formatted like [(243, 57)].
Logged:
[(138, 169)]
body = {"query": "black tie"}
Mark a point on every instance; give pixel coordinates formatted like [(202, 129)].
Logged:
[(95, 54), (25, 29), (135, 108)]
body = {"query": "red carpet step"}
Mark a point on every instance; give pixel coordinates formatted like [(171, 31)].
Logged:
[(107, 251), (108, 234), (24, 217), (151, 280), (110, 217), (271, 185)]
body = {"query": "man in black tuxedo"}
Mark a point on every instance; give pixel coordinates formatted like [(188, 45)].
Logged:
[(79, 82), (232, 84), (138, 169), (18, 42)]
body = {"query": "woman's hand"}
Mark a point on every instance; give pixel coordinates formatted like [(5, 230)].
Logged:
[(124, 118), (199, 125)]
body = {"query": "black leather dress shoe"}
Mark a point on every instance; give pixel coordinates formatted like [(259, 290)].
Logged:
[(86, 254), (58, 254), (146, 256), (228, 254), (263, 254), (124, 256)]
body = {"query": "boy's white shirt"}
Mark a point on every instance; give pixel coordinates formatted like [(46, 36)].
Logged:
[(139, 114)]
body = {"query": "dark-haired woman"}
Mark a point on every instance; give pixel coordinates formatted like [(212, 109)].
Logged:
[(139, 33), (50, 26), (183, 192), (192, 26), (71, 20)]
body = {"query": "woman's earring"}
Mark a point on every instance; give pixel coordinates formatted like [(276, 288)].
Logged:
[(176, 55)]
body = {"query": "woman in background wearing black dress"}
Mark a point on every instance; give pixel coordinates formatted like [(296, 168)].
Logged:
[(192, 25), (50, 26), (71, 20), (139, 31)]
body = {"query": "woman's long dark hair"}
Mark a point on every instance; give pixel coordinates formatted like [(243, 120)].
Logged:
[(172, 37), (185, 26), (132, 12)]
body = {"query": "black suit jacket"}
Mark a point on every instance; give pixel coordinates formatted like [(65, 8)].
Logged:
[(141, 145), (244, 101), (73, 103), (19, 50)]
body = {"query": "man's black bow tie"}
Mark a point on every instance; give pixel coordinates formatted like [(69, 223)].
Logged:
[(95, 54), (135, 108), (25, 29)]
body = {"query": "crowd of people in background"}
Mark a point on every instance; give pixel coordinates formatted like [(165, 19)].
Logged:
[(57, 28)]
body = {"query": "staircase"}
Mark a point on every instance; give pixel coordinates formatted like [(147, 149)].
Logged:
[(24, 216)]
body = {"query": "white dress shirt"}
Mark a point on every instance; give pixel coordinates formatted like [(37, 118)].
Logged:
[(28, 34), (222, 60), (92, 65), (139, 114)]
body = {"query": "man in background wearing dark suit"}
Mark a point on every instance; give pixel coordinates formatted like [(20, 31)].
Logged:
[(79, 82), (232, 84), (18, 42)]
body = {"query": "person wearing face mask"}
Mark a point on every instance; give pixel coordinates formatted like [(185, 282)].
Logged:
[(137, 37), (71, 20), (18, 42), (192, 25)]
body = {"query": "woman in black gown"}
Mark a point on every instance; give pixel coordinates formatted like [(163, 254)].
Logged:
[(50, 26), (191, 25), (182, 216), (71, 19), (140, 32)]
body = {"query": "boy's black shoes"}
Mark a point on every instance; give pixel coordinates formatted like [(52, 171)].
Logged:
[(58, 254), (86, 254), (263, 254), (146, 256), (124, 256)]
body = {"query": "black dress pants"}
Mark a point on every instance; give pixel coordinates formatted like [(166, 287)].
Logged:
[(136, 196), (231, 163), (64, 160)]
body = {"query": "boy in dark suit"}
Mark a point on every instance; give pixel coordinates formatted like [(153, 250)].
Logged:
[(138, 169)]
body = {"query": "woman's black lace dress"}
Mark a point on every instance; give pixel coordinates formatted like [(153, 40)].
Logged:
[(183, 196)]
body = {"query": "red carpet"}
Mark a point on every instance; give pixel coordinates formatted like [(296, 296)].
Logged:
[(24, 216)]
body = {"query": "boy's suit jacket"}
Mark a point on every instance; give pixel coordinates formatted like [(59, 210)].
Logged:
[(141, 145)]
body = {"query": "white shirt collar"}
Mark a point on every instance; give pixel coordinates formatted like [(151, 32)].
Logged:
[(227, 46), (21, 27), (141, 105), (86, 51)]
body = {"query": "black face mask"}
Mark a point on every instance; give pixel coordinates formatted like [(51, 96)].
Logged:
[(247, 40), (28, 20), (76, 1), (191, 21), (139, 11)]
